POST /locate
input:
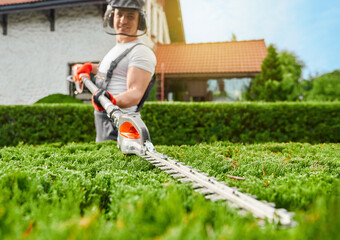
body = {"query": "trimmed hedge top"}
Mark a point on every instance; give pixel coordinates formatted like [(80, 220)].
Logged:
[(180, 123)]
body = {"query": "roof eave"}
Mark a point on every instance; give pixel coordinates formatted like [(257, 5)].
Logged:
[(212, 75), (35, 6)]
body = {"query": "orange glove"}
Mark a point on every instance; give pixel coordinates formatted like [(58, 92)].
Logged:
[(95, 99), (81, 70)]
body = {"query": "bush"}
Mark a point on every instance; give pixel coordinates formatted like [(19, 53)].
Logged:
[(93, 191), (189, 123), (325, 87), (180, 123), (58, 98), (46, 123)]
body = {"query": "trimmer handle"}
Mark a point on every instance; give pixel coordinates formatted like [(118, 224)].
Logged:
[(113, 111), (77, 81), (133, 133)]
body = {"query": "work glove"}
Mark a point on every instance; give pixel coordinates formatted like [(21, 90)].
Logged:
[(82, 70), (95, 99)]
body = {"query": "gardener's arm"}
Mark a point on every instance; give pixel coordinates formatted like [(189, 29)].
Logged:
[(137, 83)]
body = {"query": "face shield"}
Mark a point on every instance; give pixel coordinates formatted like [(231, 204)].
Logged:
[(109, 18)]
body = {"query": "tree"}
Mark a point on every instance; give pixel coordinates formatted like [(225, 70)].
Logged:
[(266, 86), (279, 78), (325, 88), (233, 37), (291, 73)]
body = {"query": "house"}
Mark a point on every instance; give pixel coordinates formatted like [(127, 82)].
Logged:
[(40, 41), (185, 70)]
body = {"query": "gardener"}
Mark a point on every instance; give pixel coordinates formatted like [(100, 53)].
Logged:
[(126, 84)]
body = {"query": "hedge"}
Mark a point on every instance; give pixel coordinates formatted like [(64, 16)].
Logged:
[(180, 123), (46, 123), (189, 123)]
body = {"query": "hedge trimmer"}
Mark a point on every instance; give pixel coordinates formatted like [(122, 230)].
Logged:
[(134, 138)]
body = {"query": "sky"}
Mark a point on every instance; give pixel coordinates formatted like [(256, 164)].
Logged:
[(308, 28)]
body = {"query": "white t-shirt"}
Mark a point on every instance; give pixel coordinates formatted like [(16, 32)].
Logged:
[(141, 56)]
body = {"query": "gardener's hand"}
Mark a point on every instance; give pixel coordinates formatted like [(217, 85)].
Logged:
[(81, 70), (95, 99)]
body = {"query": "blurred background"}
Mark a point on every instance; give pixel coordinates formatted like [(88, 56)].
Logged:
[(207, 50)]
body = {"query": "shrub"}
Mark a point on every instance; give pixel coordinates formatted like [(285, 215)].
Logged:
[(325, 87), (189, 123), (180, 123), (42, 123), (58, 98), (93, 191)]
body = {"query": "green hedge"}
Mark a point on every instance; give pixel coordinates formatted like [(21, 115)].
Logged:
[(46, 123), (190, 123), (180, 123)]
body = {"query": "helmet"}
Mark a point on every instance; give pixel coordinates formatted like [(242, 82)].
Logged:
[(128, 4), (132, 4)]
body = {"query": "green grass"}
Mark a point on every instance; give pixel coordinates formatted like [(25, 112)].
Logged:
[(93, 191)]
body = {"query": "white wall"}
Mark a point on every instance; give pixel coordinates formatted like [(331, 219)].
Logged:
[(34, 60), (157, 24)]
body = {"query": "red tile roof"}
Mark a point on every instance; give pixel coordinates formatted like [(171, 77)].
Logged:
[(13, 2), (218, 57)]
